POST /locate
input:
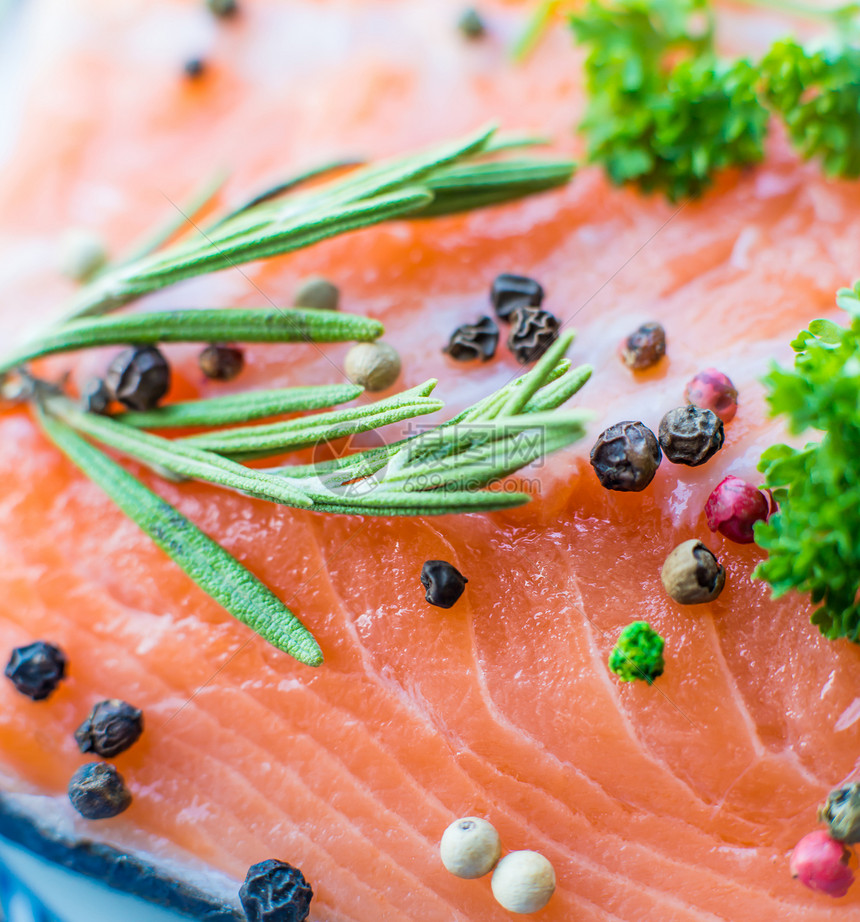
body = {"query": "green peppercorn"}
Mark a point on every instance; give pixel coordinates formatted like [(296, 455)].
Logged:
[(82, 254), (223, 8), (691, 435), (471, 24), (317, 292), (111, 727), (97, 791), (841, 812), (692, 574)]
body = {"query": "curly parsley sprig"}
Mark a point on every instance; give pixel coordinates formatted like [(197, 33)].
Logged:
[(812, 541), (667, 114)]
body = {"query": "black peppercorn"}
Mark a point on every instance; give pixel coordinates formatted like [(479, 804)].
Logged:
[(221, 362), (533, 331), (474, 341), (512, 291), (690, 435), (841, 812), (112, 726), (223, 8), (317, 292), (644, 347), (443, 581), (36, 670), (95, 396), (275, 891), (470, 24), (139, 377), (97, 791), (626, 456), (194, 68)]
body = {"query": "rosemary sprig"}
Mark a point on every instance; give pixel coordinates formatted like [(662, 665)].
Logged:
[(241, 408), (275, 438), (215, 570), (262, 325), (398, 188)]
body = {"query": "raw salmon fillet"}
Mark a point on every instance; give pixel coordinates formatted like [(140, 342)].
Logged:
[(674, 802)]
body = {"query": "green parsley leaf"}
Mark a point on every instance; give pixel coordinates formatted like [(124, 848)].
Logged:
[(817, 95), (812, 540)]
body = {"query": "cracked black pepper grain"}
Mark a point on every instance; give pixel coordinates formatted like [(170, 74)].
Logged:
[(626, 456), (443, 581), (111, 727), (97, 791), (533, 331), (474, 341), (275, 891), (511, 291), (139, 377), (644, 347), (690, 435), (37, 669)]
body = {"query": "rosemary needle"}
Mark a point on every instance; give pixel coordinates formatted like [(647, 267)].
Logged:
[(215, 570), (264, 325)]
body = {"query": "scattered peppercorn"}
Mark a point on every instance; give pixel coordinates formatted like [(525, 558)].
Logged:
[(194, 68), (275, 891), (523, 881), (317, 292), (373, 366), (841, 812), (97, 791), (470, 848), (692, 574), (112, 726), (644, 347), (734, 507), (474, 341), (37, 669), (533, 331), (638, 655), (821, 863), (139, 377), (690, 435), (512, 291), (626, 456), (95, 396), (223, 8), (443, 581), (471, 24), (712, 390), (82, 254), (221, 362)]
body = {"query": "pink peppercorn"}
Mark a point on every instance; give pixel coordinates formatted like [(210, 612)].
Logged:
[(712, 390), (735, 506), (821, 863)]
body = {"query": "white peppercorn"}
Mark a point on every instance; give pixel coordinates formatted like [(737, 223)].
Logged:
[(523, 881), (470, 847)]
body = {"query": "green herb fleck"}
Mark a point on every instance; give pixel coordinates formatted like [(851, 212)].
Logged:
[(638, 655)]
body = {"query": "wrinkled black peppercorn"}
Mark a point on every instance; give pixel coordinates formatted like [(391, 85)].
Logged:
[(841, 812), (112, 726), (95, 396), (275, 891), (644, 347), (474, 341), (626, 456), (512, 291), (471, 24), (194, 68), (36, 670), (533, 331), (443, 581), (97, 791), (221, 362), (690, 435), (139, 377)]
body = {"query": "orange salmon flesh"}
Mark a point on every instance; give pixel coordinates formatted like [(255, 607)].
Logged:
[(679, 801)]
